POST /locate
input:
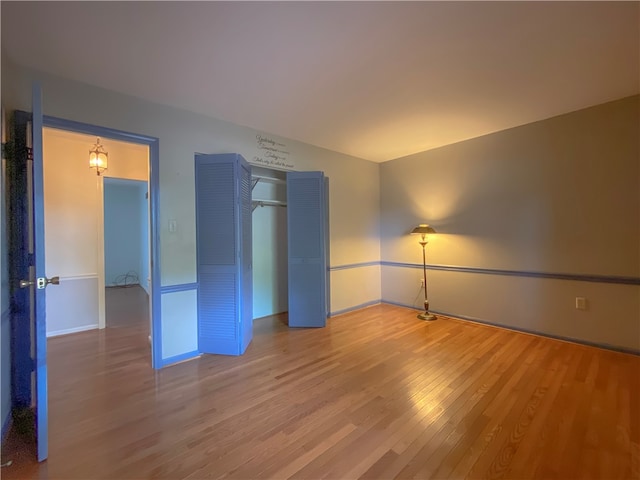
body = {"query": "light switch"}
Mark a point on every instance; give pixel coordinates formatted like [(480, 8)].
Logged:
[(173, 226)]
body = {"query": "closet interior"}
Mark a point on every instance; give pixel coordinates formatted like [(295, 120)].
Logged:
[(270, 253)]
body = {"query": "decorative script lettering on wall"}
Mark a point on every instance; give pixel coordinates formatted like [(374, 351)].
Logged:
[(272, 154)]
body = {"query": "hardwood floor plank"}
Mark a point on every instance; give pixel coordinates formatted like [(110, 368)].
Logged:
[(520, 391), (375, 394), (507, 376), (409, 446), (527, 457), (556, 431)]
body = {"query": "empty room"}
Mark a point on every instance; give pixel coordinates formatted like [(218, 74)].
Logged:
[(348, 240)]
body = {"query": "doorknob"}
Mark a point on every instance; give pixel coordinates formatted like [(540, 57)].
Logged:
[(44, 281), (41, 282)]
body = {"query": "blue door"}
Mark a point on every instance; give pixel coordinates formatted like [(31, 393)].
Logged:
[(246, 256), (28, 278), (223, 236), (306, 234)]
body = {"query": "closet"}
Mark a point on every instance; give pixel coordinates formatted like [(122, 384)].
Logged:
[(227, 248), (269, 223)]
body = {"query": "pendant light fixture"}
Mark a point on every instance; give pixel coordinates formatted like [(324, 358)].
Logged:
[(98, 157)]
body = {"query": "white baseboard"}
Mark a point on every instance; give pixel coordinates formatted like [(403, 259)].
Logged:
[(67, 331)]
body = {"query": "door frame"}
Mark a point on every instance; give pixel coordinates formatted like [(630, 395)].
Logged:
[(154, 230)]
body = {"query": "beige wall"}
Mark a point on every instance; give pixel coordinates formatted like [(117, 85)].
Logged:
[(353, 194), (557, 196), (73, 208), (72, 197)]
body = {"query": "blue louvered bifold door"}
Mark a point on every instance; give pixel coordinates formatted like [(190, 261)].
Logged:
[(306, 223), (246, 257), (221, 254)]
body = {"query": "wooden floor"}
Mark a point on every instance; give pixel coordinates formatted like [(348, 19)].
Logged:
[(376, 394), (127, 307)]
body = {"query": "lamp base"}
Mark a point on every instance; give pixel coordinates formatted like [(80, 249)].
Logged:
[(427, 316)]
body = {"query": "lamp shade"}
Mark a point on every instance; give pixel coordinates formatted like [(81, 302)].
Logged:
[(423, 229)]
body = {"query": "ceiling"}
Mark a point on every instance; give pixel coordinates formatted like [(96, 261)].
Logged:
[(377, 80)]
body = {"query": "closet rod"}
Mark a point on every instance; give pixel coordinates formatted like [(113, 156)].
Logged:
[(267, 179), (266, 203)]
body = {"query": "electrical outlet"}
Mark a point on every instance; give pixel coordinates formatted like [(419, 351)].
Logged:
[(581, 303)]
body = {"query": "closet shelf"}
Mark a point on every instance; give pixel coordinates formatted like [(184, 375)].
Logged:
[(257, 178)]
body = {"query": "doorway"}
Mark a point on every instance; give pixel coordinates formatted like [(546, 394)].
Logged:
[(150, 145), (126, 253), (27, 265), (77, 241)]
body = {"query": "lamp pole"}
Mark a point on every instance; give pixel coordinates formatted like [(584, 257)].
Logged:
[(423, 229), (425, 315)]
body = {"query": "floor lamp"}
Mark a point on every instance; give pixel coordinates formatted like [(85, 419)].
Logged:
[(423, 230)]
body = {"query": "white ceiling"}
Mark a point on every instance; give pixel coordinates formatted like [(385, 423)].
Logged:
[(377, 80)]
